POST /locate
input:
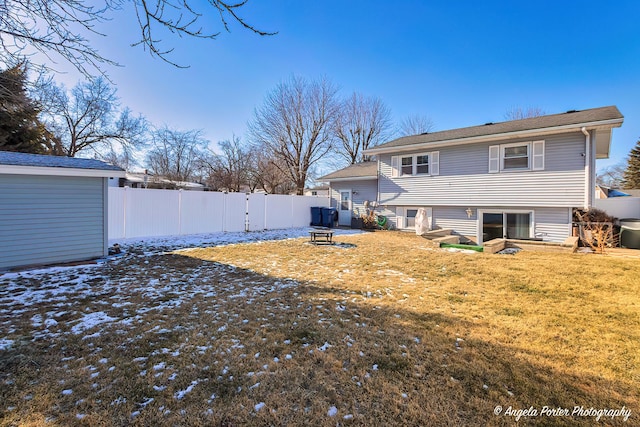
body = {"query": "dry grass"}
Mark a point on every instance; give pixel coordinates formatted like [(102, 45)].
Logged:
[(381, 328)]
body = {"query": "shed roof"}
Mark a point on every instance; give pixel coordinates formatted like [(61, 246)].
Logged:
[(22, 163), (362, 170), (595, 116)]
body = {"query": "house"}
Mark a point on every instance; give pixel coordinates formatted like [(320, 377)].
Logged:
[(52, 209), (603, 192), (353, 190), (518, 179), (318, 190), (147, 180)]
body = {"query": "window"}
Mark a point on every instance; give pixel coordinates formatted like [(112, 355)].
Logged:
[(314, 193), (515, 157), (518, 156), (410, 216), (416, 164), (407, 166), (422, 164), (406, 216)]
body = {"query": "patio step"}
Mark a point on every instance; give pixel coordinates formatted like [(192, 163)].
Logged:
[(435, 243), (434, 234), (454, 240)]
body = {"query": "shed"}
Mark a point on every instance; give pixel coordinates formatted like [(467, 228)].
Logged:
[(352, 190), (52, 209)]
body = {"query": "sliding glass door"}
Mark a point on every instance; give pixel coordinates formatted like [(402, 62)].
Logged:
[(506, 225)]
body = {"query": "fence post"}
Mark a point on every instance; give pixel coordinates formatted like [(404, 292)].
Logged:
[(266, 200), (180, 212), (224, 211), (246, 212), (124, 212)]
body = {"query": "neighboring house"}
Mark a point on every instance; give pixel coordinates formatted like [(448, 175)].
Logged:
[(52, 209), (353, 189), (519, 179), (145, 180), (603, 192), (319, 190)]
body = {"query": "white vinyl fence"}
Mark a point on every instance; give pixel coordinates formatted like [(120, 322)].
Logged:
[(137, 212), (620, 207)]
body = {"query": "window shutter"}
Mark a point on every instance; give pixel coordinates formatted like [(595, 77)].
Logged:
[(430, 217), (399, 217), (434, 163), (537, 163), (395, 166), (494, 159)]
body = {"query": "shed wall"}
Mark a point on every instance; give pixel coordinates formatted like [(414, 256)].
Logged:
[(50, 219)]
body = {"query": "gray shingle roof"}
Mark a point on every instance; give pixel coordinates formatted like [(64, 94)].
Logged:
[(601, 114), (25, 159), (358, 170)]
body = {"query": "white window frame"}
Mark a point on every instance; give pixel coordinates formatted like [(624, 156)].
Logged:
[(402, 165), (433, 164), (535, 157), (401, 215), (503, 157)]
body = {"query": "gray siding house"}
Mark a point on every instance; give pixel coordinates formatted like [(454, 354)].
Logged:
[(52, 209), (519, 179), (352, 189)]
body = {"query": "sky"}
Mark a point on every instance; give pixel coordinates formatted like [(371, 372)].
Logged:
[(461, 63)]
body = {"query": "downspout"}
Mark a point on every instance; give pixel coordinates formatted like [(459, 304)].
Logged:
[(587, 167)]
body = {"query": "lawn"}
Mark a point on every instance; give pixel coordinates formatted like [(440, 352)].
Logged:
[(377, 330)]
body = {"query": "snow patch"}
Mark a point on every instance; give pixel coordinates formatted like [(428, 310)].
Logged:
[(5, 344), (180, 394), (91, 320)]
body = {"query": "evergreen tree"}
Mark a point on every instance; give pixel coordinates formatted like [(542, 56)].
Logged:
[(20, 129), (631, 177)]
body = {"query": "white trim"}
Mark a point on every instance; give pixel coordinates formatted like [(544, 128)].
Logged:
[(105, 217), (494, 158), (537, 160), (503, 148), (57, 171), (353, 178), (396, 172), (341, 219), (435, 163), (402, 216), (607, 124)]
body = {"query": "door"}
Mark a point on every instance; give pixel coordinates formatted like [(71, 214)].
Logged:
[(344, 208), (506, 225)]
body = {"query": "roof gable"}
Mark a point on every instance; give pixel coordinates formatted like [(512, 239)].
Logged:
[(364, 170)]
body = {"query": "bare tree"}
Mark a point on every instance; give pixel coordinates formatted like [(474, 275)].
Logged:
[(123, 159), (59, 28), (89, 118), (230, 169), (295, 124), (611, 176), (362, 122), (415, 124), (269, 174), (176, 154), (519, 113)]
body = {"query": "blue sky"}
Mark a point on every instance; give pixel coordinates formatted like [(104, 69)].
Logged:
[(461, 63)]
